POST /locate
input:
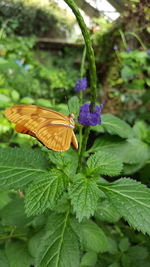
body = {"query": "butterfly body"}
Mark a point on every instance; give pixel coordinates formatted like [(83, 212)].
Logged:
[(53, 129)]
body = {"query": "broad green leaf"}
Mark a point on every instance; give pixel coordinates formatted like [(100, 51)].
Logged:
[(74, 105), (59, 246), (104, 163), (112, 144), (106, 212), (4, 198), (92, 237), (18, 166), (17, 254), (132, 168), (136, 152), (132, 151), (3, 259), (13, 214), (44, 193), (84, 194), (132, 200), (114, 125), (89, 259)]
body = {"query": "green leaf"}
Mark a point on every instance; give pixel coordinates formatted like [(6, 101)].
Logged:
[(74, 106), (3, 259), (124, 244), (132, 168), (18, 166), (114, 125), (27, 100), (15, 95), (67, 161), (127, 73), (4, 198), (5, 101), (106, 212), (13, 214), (107, 143), (132, 151), (136, 152), (34, 243), (84, 194), (89, 259), (17, 254), (44, 102), (44, 193), (92, 237), (132, 200), (59, 246), (141, 130), (104, 163)]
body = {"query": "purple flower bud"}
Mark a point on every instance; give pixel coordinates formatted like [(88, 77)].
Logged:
[(81, 84), (87, 118), (128, 50), (148, 52)]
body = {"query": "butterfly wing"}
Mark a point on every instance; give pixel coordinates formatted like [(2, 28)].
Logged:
[(55, 137), (50, 127)]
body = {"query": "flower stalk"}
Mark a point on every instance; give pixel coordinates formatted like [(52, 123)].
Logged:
[(89, 51)]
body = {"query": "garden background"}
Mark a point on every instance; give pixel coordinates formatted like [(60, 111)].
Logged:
[(42, 56)]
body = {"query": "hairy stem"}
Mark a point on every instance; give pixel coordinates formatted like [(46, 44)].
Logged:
[(83, 148)]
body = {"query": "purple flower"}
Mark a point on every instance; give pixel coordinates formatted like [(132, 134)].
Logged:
[(19, 62), (148, 52), (81, 84), (128, 50), (26, 67), (115, 47), (87, 118)]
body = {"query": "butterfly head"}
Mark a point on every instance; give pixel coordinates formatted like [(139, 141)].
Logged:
[(72, 116)]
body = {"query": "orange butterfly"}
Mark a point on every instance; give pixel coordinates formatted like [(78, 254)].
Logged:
[(53, 129)]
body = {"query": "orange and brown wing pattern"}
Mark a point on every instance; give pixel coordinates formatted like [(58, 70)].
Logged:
[(55, 137), (52, 128)]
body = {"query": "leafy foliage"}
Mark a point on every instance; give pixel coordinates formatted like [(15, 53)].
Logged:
[(104, 163), (45, 192), (114, 125), (84, 194), (18, 250), (59, 245), (56, 209), (19, 167), (132, 201)]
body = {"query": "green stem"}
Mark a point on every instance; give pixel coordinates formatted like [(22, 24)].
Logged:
[(123, 39), (89, 50), (83, 63), (81, 94), (83, 149), (138, 38)]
